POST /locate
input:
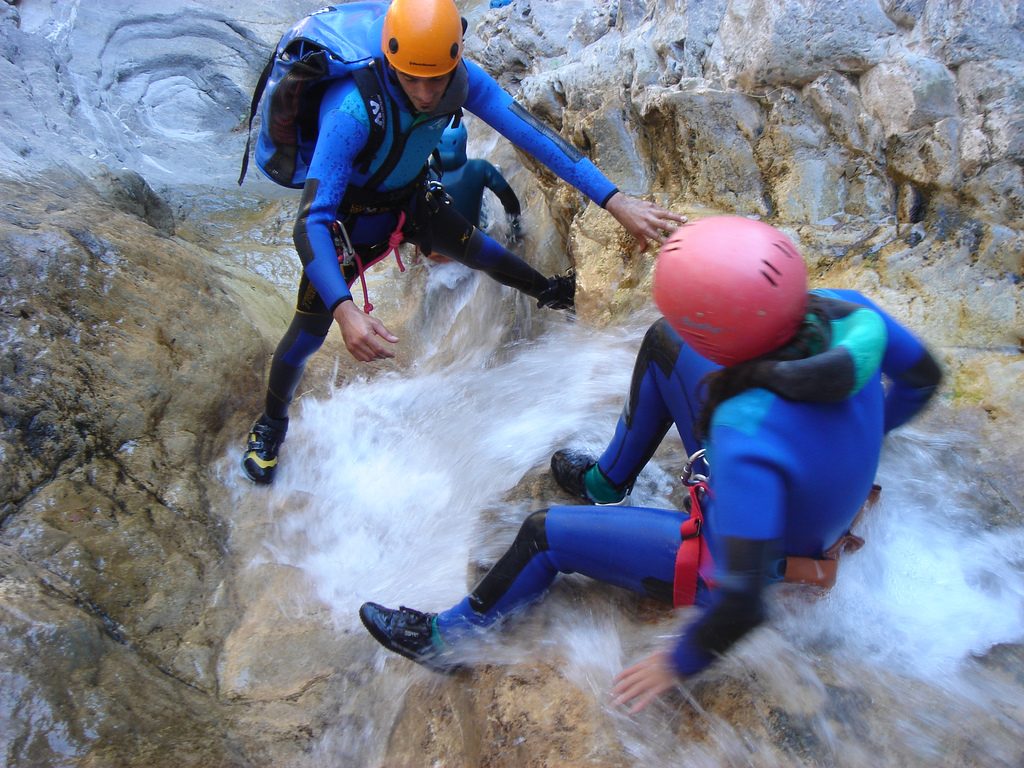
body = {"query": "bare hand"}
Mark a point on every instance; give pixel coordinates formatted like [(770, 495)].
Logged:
[(642, 219), (362, 333), (643, 682)]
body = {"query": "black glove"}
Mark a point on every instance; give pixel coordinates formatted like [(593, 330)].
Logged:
[(560, 293), (515, 230)]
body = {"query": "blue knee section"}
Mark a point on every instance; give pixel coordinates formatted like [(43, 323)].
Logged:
[(491, 254), (624, 546), (529, 585), (301, 349), (579, 539)]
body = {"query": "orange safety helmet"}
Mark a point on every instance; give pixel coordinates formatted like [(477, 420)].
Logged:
[(422, 38), (733, 288)]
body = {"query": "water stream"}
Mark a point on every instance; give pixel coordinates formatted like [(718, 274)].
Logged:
[(396, 485)]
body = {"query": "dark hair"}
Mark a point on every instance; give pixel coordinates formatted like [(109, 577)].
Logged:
[(717, 387), (725, 383)]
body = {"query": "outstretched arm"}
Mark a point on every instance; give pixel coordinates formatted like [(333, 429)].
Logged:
[(732, 614), (499, 185), (643, 682), (642, 219)]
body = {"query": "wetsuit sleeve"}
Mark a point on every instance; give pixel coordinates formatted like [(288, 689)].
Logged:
[(488, 101), (913, 372), (748, 511), (497, 183), (342, 136)]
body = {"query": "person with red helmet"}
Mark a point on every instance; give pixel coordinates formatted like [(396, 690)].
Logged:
[(372, 204), (789, 393)]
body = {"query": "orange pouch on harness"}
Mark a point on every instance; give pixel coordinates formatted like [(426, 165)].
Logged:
[(693, 554), (808, 570), (821, 572)]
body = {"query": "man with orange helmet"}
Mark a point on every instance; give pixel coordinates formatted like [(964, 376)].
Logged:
[(783, 389), (388, 199)]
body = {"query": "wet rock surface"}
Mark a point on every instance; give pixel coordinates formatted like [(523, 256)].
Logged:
[(142, 294)]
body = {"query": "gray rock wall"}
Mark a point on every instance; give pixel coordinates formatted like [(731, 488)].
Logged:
[(887, 137)]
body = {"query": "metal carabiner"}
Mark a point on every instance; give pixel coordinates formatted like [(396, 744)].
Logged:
[(342, 244), (689, 476), (435, 195)]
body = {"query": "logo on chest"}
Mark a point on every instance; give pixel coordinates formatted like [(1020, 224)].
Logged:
[(377, 110)]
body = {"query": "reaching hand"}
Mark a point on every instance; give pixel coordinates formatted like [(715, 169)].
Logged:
[(560, 293), (643, 682), (362, 333), (642, 219)]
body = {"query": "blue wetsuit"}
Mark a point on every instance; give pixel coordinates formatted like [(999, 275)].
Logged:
[(787, 476), (344, 129), (466, 179), (466, 185), (336, 189)]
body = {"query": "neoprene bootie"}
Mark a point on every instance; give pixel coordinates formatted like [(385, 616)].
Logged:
[(578, 475), (560, 293), (259, 462), (407, 632)]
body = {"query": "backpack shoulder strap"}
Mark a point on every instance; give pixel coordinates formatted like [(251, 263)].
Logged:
[(371, 89), (257, 94)]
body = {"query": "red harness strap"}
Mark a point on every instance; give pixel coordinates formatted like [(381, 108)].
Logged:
[(693, 555), (693, 558), (346, 251)]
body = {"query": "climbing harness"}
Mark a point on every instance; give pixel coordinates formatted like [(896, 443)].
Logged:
[(694, 561), (693, 557), (348, 256), (821, 572)]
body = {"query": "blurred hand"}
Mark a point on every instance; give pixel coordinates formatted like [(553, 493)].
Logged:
[(643, 682), (642, 219)]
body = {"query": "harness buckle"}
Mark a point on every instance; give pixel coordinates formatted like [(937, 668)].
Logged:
[(434, 195), (691, 528)]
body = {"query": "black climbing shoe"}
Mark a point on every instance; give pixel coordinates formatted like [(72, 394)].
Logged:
[(571, 469), (407, 632), (560, 293), (260, 459)]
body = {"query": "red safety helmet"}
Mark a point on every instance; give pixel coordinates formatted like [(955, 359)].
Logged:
[(733, 288)]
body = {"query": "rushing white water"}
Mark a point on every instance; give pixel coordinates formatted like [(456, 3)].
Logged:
[(394, 485)]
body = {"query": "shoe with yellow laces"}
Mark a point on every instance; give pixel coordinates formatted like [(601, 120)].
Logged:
[(260, 459)]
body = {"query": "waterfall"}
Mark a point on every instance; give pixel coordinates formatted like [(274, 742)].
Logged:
[(396, 488)]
